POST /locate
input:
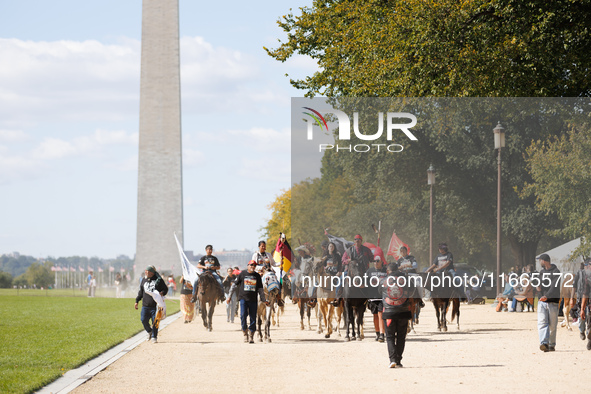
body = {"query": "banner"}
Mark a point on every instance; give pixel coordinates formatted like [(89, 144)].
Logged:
[(395, 245), (189, 270)]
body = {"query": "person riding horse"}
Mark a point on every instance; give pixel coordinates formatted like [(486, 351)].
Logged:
[(444, 263), (209, 264)]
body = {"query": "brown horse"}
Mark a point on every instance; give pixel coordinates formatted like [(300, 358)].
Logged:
[(326, 296), (569, 296), (441, 296), (207, 292), (354, 300)]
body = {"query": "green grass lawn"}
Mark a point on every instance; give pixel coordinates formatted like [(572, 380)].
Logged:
[(43, 337)]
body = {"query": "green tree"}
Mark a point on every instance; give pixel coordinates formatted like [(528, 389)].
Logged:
[(560, 170), (280, 219), (442, 48), (39, 274), (5, 280)]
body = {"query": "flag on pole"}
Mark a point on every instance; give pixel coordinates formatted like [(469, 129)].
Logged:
[(72, 269), (100, 269), (189, 270), (53, 268), (395, 245), (81, 269), (111, 269), (161, 313), (283, 253)]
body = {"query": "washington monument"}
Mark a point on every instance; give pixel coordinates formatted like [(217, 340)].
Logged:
[(160, 193)]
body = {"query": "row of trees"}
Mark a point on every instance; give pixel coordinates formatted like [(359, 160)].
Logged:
[(389, 48), (28, 271)]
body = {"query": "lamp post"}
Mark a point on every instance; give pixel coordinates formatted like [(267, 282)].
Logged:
[(431, 182), (499, 133)]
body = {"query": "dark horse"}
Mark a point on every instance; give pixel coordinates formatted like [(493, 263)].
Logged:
[(442, 293), (208, 292), (354, 300)]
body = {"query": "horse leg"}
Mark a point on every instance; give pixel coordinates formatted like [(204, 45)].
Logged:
[(444, 316), (347, 318), (436, 305), (269, 312), (319, 317), (360, 323), (456, 311), (210, 315), (204, 314), (302, 306), (309, 312), (328, 320)]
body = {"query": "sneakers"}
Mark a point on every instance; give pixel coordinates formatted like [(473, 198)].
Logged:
[(589, 344), (377, 336), (551, 348), (392, 365), (149, 336), (544, 348), (382, 338), (154, 340), (582, 336), (398, 365)]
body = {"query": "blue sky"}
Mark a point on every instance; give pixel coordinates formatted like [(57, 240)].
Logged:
[(69, 115)]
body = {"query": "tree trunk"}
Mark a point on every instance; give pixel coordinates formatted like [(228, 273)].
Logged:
[(524, 253)]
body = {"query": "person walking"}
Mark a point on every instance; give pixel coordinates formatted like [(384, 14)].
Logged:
[(247, 285), (230, 307), (549, 292), (396, 292), (151, 282), (374, 303), (187, 307)]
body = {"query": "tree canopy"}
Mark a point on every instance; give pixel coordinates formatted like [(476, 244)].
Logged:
[(419, 48)]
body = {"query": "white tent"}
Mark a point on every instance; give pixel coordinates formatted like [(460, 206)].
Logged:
[(560, 256)]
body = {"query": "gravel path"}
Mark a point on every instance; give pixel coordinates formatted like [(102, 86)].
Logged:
[(493, 352)]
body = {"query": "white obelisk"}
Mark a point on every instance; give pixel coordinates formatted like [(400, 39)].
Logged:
[(160, 193)]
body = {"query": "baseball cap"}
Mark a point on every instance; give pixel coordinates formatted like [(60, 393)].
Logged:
[(358, 236), (544, 257)]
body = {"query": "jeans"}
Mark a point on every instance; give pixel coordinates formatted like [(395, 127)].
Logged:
[(248, 308), (147, 314), (230, 308), (396, 338), (547, 322)]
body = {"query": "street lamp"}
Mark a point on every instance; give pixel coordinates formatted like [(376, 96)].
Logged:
[(431, 182), (499, 133)]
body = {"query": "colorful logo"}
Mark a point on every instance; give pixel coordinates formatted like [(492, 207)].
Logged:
[(317, 117)]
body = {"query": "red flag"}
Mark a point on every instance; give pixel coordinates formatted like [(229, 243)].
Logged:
[(395, 245), (100, 269), (283, 249), (53, 268), (81, 269), (377, 251), (72, 269), (111, 269)]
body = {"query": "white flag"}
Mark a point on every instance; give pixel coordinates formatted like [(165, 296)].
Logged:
[(160, 301), (189, 270)]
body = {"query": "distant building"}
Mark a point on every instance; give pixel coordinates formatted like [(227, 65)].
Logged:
[(233, 258)]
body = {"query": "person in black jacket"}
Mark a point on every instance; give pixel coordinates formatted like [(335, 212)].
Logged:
[(549, 292), (248, 284), (396, 291), (153, 282)]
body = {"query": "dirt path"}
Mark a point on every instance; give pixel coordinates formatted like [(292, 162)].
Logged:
[(493, 352)]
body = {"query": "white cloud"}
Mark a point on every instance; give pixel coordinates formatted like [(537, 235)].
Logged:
[(13, 136), (54, 148)]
